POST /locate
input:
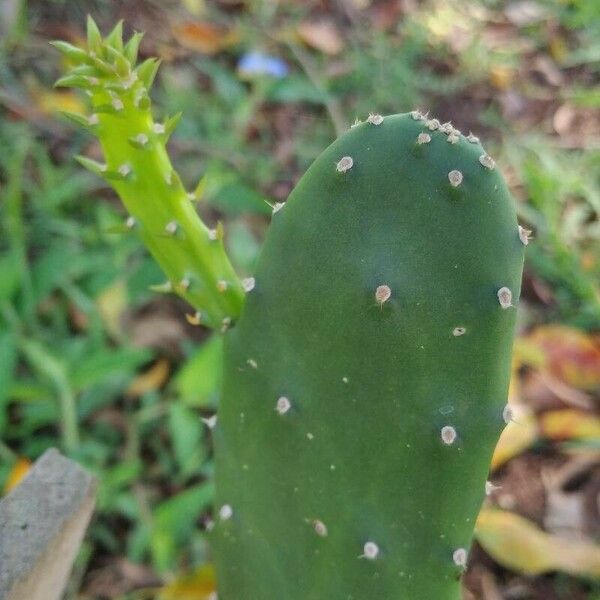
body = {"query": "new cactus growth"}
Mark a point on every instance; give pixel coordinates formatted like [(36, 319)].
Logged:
[(138, 167), (366, 378)]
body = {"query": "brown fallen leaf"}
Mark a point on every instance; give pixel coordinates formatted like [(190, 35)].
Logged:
[(321, 35), (519, 545), (204, 37), (569, 355)]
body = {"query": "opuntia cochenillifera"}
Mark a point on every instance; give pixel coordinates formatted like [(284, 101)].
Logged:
[(366, 377)]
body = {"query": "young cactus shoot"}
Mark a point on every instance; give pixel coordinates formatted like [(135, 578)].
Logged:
[(137, 166)]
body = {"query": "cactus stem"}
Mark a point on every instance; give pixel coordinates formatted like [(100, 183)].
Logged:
[(370, 551), (448, 435), (524, 235), (505, 297), (487, 161), (225, 512), (210, 422), (248, 284), (423, 138), (283, 405), (455, 177), (458, 331), (374, 119), (382, 294), (344, 164), (459, 557)]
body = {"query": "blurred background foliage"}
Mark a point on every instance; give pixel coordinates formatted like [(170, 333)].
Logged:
[(93, 362)]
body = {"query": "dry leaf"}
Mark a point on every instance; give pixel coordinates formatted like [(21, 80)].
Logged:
[(517, 436), (201, 36), (152, 379), (321, 35), (18, 471), (569, 355), (199, 585), (519, 545)]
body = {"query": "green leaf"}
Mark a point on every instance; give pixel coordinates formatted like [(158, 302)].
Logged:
[(175, 521), (185, 428), (197, 383), (8, 361)]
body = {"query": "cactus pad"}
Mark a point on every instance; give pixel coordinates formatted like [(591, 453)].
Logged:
[(366, 379)]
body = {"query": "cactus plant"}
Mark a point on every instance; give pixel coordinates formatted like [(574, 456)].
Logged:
[(366, 377)]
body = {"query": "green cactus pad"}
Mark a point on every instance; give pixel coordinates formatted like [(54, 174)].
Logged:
[(366, 378)]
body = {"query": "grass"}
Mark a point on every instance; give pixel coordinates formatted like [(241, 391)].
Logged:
[(79, 366)]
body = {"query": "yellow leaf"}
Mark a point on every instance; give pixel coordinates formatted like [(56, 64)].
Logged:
[(152, 379), (501, 77), (321, 35), (519, 545), (517, 436), (57, 101), (199, 585), (112, 303), (19, 470), (569, 424)]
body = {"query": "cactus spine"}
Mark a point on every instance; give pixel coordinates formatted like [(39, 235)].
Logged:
[(365, 381), (383, 314)]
